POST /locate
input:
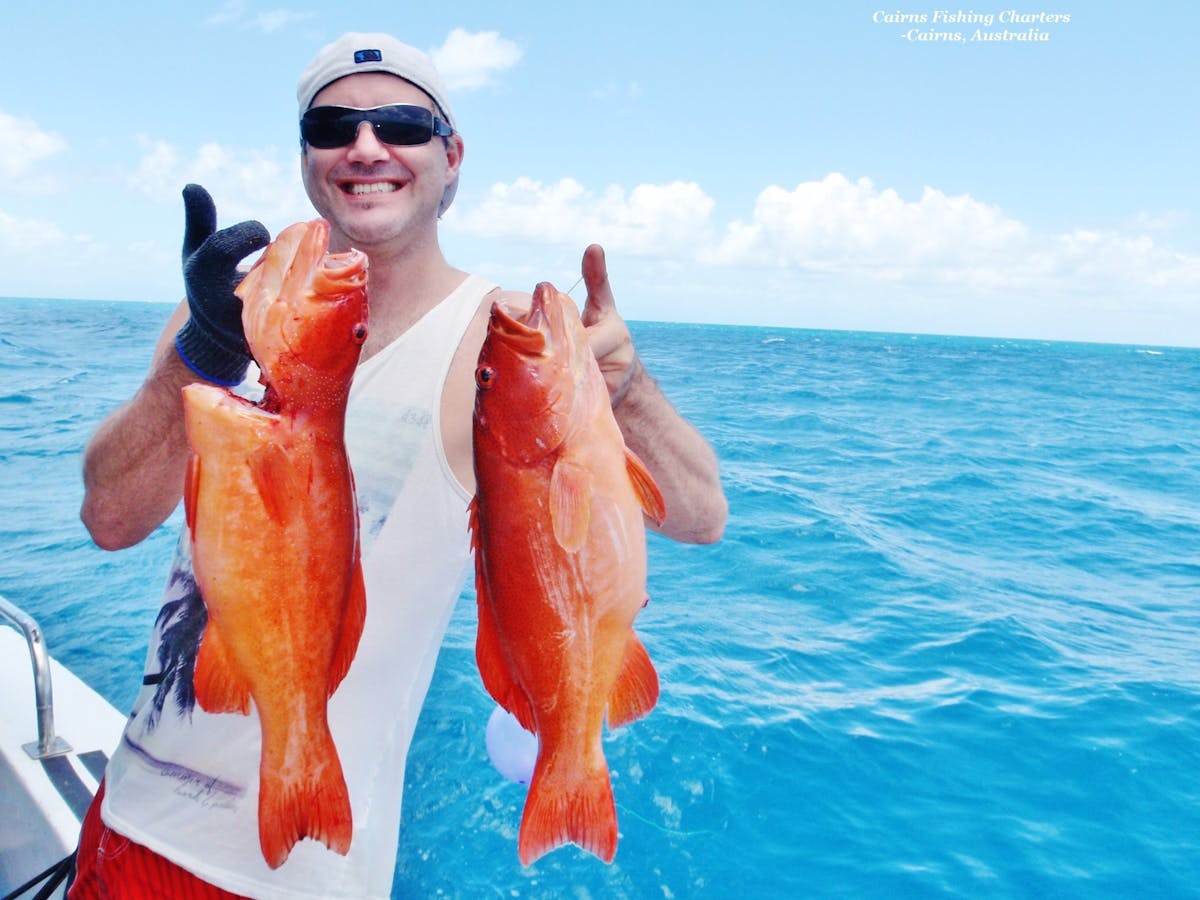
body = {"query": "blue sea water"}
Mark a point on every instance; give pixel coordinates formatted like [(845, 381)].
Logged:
[(948, 647)]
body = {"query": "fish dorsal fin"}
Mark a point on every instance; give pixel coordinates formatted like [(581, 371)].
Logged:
[(353, 617), (274, 477), (570, 503), (644, 486), (636, 690)]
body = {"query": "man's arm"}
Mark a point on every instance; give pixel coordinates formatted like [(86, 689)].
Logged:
[(681, 461), (133, 467)]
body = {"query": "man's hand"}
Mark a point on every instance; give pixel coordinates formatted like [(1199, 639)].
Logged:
[(681, 461), (212, 341), (608, 335)]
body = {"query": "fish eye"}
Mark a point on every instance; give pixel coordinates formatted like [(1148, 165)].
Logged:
[(485, 377), (360, 333)]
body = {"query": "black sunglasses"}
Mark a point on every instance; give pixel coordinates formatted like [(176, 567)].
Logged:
[(400, 124)]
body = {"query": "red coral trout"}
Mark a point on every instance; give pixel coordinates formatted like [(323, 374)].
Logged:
[(274, 522), (560, 565)]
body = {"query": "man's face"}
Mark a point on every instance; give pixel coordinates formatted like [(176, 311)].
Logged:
[(375, 194)]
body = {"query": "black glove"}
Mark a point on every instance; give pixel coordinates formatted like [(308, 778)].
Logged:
[(212, 341)]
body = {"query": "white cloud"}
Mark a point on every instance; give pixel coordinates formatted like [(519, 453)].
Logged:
[(23, 147), (1093, 257), (275, 19), (856, 254), (613, 92), (469, 60), (261, 184), (231, 11), (39, 259), (24, 235), (234, 12), (649, 219), (836, 224)]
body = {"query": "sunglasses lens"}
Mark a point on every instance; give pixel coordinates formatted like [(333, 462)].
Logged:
[(327, 127), (403, 125)]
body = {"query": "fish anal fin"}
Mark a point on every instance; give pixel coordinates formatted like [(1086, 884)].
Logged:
[(517, 703), (644, 486), (353, 618), (582, 813), (316, 806), (570, 503), (218, 685), (274, 478), (636, 690), (494, 667)]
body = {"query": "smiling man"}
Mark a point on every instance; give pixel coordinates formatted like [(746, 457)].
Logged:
[(381, 156)]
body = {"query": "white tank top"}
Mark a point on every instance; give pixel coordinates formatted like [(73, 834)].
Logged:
[(184, 782)]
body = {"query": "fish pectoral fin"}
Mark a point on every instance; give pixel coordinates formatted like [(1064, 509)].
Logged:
[(353, 618), (570, 503), (644, 486), (274, 478), (473, 526), (219, 687), (191, 491), (493, 663), (636, 690)]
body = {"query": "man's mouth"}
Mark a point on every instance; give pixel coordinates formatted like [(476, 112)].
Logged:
[(373, 187)]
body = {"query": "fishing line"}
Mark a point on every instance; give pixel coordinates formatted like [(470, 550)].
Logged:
[(672, 831)]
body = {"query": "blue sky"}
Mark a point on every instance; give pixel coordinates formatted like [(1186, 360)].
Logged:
[(769, 163)]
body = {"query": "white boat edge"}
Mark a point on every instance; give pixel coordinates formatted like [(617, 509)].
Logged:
[(43, 801)]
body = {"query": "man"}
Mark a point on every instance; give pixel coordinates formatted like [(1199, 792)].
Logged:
[(380, 158)]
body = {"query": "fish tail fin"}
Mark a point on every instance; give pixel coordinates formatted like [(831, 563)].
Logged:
[(582, 813), (315, 805), (636, 690)]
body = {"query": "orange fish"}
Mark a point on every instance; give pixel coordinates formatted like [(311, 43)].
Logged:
[(560, 565), (274, 522)]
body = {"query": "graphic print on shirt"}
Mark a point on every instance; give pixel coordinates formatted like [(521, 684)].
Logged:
[(168, 698), (178, 628)]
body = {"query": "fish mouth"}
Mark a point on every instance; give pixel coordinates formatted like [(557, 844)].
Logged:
[(298, 256), (523, 333), (295, 252), (337, 274)]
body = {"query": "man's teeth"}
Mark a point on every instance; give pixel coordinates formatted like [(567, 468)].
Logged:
[(375, 187)]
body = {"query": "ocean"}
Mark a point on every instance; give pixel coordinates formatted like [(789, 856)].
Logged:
[(948, 647)]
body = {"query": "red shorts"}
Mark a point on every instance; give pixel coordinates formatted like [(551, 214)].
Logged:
[(109, 866)]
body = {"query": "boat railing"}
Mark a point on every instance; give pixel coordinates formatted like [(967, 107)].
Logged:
[(48, 743)]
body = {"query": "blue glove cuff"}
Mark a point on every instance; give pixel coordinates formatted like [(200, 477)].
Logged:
[(209, 359)]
